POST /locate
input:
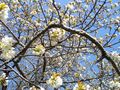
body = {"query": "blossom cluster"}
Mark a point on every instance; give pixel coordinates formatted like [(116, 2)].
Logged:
[(79, 86), (115, 84), (55, 80), (115, 56), (56, 34), (3, 11), (39, 49), (6, 47), (34, 88), (3, 79)]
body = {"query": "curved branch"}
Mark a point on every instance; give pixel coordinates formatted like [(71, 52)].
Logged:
[(73, 31)]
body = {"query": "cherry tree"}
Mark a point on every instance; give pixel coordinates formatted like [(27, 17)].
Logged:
[(59, 44)]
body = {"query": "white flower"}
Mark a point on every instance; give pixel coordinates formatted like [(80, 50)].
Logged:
[(34, 88), (39, 49), (118, 29), (114, 84), (7, 41), (116, 4), (88, 1), (87, 87), (41, 88), (116, 21), (56, 34), (51, 1), (53, 43), (79, 86), (3, 75), (75, 87), (86, 7), (8, 54), (55, 81), (115, 56), (3, 79), (114, 53), (14, 1), (118, 17), (70, 6), (3, 11), (117, 84), (6, 47)]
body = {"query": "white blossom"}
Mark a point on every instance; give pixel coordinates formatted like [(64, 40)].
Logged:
[(56, 34), (8, 54), (88, 87), (55, 81), (6, 47), (115, 56), (79, 86), (14, 1), (39, 49), (114, 84), (3, 79), (3, 11), (70, 6), (118, 18), (118, 29), (7, 41), (34, 88)]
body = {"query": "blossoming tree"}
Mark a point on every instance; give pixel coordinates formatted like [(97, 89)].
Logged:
[(59, 44)]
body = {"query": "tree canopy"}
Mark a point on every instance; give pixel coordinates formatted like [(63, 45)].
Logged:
[(59, 44)]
